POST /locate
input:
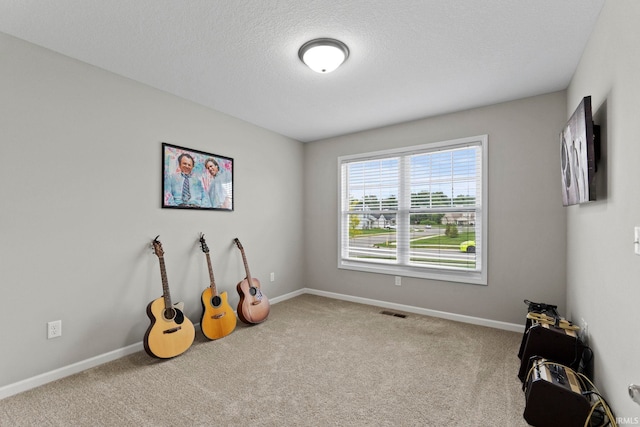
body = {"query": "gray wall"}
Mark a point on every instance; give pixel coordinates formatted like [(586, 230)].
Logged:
[(602, 270), (80, 251), (526, 220), (81, 159)]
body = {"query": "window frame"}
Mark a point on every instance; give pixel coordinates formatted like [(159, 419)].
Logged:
[(477, 276)]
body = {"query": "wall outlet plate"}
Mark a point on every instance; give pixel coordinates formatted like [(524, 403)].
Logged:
[(584, 331), (54, 329)]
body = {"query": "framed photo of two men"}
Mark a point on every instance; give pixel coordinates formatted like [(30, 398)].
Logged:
[(193, 179)]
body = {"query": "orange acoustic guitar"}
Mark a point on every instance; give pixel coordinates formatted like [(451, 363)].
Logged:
[(254, 305), (218, 319), (170, 333)]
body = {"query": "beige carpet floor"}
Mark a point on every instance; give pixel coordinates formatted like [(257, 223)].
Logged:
[(314, 362)]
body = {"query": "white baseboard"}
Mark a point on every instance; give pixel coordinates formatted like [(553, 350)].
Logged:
[(65, 371), (513, 327), (288, 296)]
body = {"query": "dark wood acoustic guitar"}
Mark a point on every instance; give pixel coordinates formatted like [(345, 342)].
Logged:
[(218, 319), (254, 305), (170, 333)]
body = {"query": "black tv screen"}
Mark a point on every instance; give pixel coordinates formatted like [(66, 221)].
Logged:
[(578, 147)]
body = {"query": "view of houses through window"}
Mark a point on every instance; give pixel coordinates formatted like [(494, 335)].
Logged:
[(416, 211)]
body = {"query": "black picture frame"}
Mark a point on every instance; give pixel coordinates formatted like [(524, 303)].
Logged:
[(204, 190)]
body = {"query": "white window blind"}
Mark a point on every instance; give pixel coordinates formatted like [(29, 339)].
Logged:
[(417, 211)]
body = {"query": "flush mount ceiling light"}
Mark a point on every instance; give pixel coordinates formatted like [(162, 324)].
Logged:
[(323, 55)]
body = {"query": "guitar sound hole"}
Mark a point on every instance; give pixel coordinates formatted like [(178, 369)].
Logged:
[(253, 291), (174, 314), (170, 313), (215, 301)]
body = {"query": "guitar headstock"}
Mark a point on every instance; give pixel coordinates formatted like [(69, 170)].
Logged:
[(157, 247), (203, 243), (237, 242)]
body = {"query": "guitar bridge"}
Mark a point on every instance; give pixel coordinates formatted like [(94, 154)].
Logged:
[(218, 316), (172, 330)]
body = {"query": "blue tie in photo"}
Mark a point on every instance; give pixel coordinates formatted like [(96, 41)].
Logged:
[(186, 193)]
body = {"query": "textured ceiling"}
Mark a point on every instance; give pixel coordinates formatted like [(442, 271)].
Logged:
[(409, 59)]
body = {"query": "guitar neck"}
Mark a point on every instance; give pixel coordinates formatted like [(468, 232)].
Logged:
[(214, 292), (246, 267), (165, 284)]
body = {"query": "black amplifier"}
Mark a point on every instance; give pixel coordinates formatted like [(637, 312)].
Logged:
[(554, 397), (549, 342)]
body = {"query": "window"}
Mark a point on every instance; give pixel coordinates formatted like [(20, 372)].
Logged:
[(417, 211)]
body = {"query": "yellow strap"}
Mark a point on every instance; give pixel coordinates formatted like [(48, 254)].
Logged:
[(561, 323)]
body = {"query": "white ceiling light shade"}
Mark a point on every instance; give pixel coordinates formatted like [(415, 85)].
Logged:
[(323, 55)]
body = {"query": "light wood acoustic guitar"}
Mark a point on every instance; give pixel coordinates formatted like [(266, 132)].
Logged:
[(170, 333), (218, 319), (254, 305)]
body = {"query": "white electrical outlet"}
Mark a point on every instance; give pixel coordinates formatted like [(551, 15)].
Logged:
[(272, 277), (54, 329), (584, 330), (398, 281)]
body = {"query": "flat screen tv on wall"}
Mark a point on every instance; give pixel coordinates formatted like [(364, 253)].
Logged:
[(580, 151)]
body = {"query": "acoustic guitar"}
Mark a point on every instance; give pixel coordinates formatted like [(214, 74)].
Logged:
[(170, 333), (218, 319), (254, 305)]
